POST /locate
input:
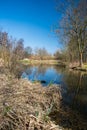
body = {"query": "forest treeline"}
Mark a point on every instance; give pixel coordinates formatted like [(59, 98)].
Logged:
[(72, 29), (14, 50)]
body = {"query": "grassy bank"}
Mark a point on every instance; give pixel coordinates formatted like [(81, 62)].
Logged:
[(46, 62), (83, 68)]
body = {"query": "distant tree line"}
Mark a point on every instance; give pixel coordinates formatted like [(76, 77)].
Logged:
[(12, 50)]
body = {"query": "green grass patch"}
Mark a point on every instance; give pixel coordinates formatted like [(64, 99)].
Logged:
[(85, 66), (25, 61)]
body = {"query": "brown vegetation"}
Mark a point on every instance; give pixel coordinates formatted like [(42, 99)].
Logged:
[(25, 105)]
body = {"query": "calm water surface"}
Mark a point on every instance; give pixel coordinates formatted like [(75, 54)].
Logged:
[(73, 83)]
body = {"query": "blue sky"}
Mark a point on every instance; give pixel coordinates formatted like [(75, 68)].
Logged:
[(30, 20)]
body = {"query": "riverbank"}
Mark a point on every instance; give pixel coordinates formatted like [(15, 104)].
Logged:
[(54, 62), (78, 68), (26, 105), (43, 62)]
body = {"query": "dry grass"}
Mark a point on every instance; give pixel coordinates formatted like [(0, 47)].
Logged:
[(26, 106)]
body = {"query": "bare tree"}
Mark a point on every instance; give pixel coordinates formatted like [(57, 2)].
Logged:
[(3, 45), (19, 49), (41, 53), (74, 24), (28, 51), (61, 55)]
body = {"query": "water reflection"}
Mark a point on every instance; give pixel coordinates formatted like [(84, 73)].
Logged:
[(74, 86), (74, 82), (45, 73), (77, 88)]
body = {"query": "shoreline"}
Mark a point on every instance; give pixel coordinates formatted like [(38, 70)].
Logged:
[(43, 62), (20, 99), (79, 69), (53, 62)]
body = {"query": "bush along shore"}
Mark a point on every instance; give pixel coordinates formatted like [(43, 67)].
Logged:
[(25, 105)]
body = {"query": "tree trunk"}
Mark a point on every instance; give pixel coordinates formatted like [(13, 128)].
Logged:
[(81, 60)]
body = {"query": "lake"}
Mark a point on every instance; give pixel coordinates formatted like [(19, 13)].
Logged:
[(73, 84)]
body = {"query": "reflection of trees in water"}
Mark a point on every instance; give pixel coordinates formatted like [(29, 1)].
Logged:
[(42, 69), (80, 97), (59, 69), (77, 90), (36, 70), (76, 81), (72, 117)]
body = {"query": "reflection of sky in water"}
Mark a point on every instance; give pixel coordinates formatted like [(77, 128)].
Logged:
[(67, 80), (49, 75)]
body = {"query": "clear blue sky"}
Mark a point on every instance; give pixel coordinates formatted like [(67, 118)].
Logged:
[(30, 20)]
